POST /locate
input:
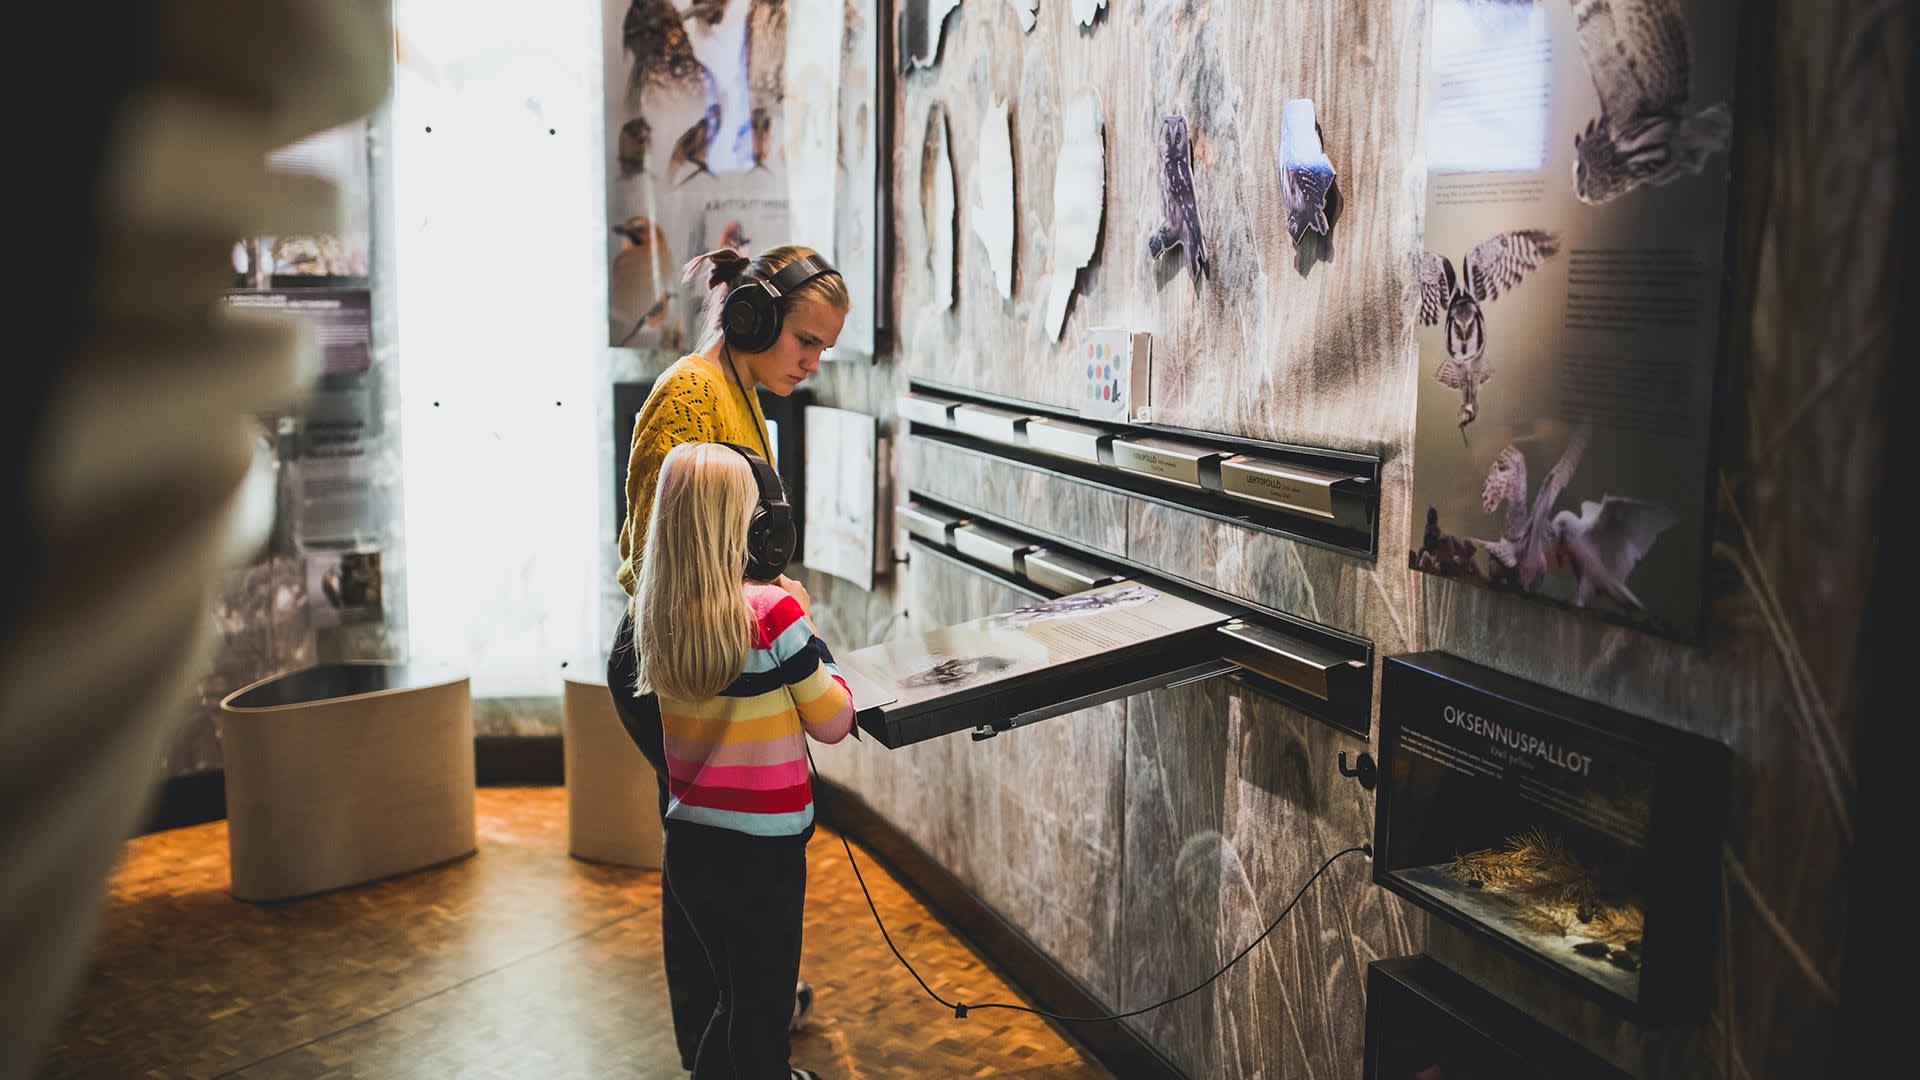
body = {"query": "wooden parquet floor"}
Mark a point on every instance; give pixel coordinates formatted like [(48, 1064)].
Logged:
[(517, 962)]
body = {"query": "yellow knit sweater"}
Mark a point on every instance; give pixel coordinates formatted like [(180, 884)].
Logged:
[(695, 400)]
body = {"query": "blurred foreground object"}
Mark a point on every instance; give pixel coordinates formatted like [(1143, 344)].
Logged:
[(132, 428)]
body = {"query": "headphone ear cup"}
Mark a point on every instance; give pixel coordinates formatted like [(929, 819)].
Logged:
[(750, 318), (757, 545)]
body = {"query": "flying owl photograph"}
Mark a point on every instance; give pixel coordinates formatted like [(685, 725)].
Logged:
[(1492, 268), (1603, 543), (1640, 59), (1181, 225), (1522, 554)]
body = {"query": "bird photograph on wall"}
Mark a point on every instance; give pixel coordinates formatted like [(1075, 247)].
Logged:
[(691, 147), (1640, 58), (762, 122), (636, 138), (1180, 223), (1492, 268), (654, 34), (641, 295)]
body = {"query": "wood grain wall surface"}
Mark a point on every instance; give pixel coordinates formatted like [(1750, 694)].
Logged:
[(1146, 841)]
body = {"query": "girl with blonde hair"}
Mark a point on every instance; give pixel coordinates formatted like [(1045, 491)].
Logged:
[(742, 681), (708, 396)]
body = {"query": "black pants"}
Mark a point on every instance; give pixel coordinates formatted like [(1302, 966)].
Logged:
[(744, 895), (691, 990)]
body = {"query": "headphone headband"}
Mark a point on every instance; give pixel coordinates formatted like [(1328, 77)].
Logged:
[(795, 274)]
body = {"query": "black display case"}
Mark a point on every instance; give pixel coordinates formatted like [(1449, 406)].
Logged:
[(1579, 838), (1427, 1023)]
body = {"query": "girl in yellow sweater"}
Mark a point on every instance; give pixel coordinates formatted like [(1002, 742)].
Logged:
[(708, 396)]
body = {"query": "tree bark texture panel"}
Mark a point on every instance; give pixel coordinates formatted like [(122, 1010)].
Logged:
[(1232, 804)]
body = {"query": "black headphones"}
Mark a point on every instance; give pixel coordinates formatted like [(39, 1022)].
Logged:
[(770, 535), (751, 316)]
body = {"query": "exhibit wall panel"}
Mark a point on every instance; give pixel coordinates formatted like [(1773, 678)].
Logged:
[(1266, 346)]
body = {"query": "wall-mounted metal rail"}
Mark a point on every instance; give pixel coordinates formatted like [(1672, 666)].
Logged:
[(1317, 670), (1325, 497)]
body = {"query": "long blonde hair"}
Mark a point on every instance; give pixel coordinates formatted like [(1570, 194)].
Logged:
[(692, 627), (726, 268)]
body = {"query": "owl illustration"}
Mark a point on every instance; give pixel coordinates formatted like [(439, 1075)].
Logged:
[(1182, 217), (1306, 174), (1522, 554), (636, 138), (734, 236), (1491, 268), (691, 147), (1639, 57)]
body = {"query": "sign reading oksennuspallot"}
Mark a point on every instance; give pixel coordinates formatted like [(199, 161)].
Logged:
[(1570, 300)]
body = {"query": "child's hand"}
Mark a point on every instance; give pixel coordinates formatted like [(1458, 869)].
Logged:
[(797, 591)]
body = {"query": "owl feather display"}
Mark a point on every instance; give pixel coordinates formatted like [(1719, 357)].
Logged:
[(1492, 268), (1181, 224), (1639, 57)]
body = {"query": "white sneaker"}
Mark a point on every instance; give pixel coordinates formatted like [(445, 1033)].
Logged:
[(802, 1009)]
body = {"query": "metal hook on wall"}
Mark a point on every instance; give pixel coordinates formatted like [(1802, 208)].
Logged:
[(1363, 770)]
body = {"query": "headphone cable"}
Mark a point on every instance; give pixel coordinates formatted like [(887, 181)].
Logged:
[(961, 1009), (759, 428)]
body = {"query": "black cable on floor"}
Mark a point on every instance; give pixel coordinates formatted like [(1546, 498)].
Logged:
[(961, 1009)]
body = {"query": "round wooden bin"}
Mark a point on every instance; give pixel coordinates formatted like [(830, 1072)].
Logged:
[(613, 800), (345, 773)]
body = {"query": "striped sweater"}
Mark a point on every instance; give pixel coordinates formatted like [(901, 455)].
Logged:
[(739, 761)]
